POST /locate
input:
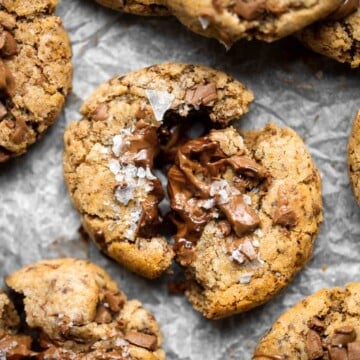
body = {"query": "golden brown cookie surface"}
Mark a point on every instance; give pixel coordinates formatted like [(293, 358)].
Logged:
[(128, 123), (323, 326), (35, 72), (79, 313), (354, 157), (248, 209)]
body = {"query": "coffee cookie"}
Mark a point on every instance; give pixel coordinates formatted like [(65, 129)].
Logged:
[(138, 7), (268, 20), (338, 37), (78, 312), (354, 157), (325, 325), (35, 72), (128, 123), (248, 210)]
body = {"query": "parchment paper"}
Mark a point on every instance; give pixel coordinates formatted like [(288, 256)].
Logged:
[(315, 96)]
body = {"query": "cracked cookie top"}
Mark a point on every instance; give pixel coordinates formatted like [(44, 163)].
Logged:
[(132, 125), (35, 72), (72, 309), (325, 325), (247, 209), (354, 157), (339, 36)]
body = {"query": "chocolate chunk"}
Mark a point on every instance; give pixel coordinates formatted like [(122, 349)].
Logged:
[(114, 300), (336, 353), (143, 340), (103, 315), (225, 228), (343, 335), (284, 214), (313, 345), (250, 9), (3, 111), (241, 216), (20, 131), (353, 350), (101, 112), (201, 95), (248, 250), (316, 324), (8, 45), (16, 347), (346, 9)]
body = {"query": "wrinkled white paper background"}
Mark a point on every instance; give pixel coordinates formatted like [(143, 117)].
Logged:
[(315, 96)]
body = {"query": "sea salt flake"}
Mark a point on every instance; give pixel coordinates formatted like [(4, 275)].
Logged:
[(245, 278), (124, 194), (207, 204), (114, 166), (247, 199), (238, 256), (258, 233), (121, 342), (256, 243), (204, 22), (117, 144), (160, 101)]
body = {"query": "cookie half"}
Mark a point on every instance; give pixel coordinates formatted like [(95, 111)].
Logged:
[(268, 20), (35, 72), (354, 157), (72, 309), (129, 123), (248, 209), (338, 38), (325, 325), (138, 7)]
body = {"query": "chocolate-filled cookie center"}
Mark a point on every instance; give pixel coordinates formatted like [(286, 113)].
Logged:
[(206, 184)]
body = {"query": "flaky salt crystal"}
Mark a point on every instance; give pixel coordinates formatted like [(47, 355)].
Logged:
[(160, 101), (245, 278)]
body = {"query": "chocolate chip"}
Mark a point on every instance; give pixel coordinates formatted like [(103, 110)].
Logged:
[(143, 340), (103, 315), (343, 335), (337, 353), (284, 214), (354, 350), (316, 324), (201, 95), (8, 45), (250, 9), (101, 112), (346, 8), (248, 250), (313, 345), (20, 131), (115, 300)]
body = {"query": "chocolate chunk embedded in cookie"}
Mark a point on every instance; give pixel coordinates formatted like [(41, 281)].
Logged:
[(325, 325), (339, 36), (35, 72), (74, 310), (128, 124), (354, 157), (247, 210)]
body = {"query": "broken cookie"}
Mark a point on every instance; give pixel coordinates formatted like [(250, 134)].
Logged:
[(354, 157), (132, 125), (247, 210), (35, 73), (72, 309)]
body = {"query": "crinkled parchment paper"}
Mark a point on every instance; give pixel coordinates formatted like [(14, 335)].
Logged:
[(315, 96)]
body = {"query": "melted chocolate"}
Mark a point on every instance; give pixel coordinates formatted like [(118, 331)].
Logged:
[(195, 182)]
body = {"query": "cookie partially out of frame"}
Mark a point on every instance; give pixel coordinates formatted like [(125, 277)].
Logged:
[(129, 123), (72, 309), (325, 325), (354, 157), (138, 7), (338, 37), (35, 72), (248, 209)]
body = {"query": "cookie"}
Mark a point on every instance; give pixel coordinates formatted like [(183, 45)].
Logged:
[(338, 37), (78, 312), (128, 124), (325, 325), (138, 7), (268, 20), (354, 157), (247, 209), (35, 72)]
